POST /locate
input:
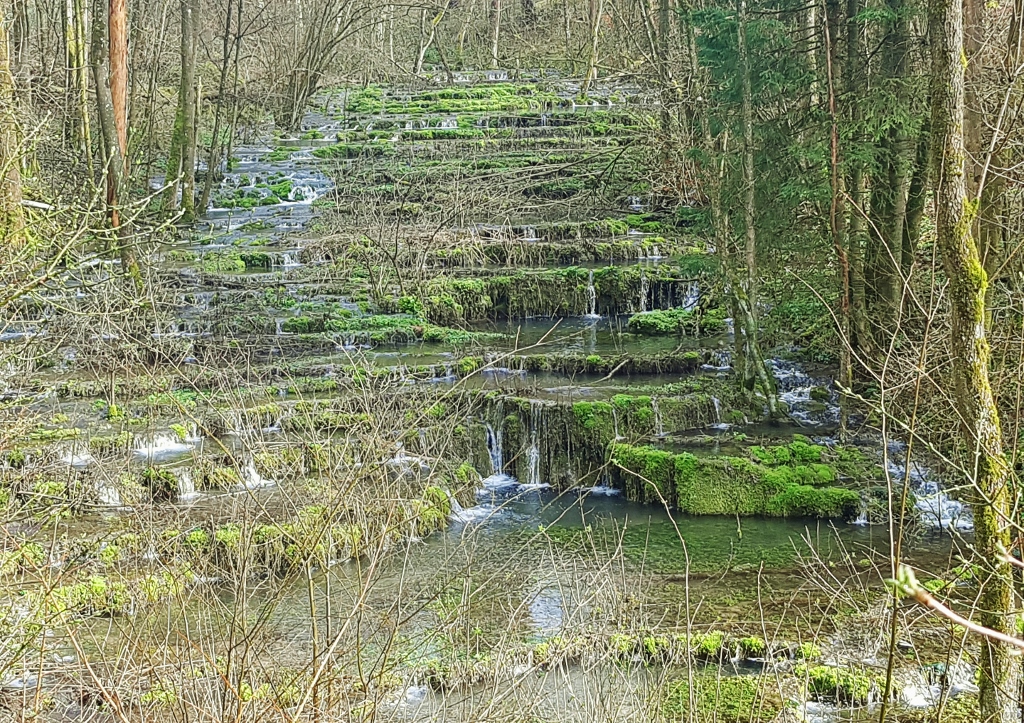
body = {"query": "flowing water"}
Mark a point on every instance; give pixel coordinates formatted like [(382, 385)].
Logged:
[(552, 548)]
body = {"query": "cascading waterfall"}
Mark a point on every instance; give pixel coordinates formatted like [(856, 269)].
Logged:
[(591, 297), (692, 296), (533, 453), (615, 423), (494, 450), (659, 427), (645, 289), (186, 486), (718, 409), (108, 494)]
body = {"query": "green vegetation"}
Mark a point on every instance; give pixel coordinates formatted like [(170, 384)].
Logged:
[(729, 699), (724, 485)]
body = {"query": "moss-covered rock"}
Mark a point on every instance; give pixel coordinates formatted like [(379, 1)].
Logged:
[(727, 485)]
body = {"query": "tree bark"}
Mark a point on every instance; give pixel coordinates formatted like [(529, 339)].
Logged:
[(883, 282), (754, 373), (917, 197), (75, 44), (495, 31), (988, 469), (214, 159), (12, 220), (119, 73), (181, 158), (837, 217), (596, 11), (113, 166)]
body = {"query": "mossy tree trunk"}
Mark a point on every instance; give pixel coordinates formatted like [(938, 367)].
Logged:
[(753, 372), (12, 220), (988, 468), (882, 271), (75, 44), (181, 171)]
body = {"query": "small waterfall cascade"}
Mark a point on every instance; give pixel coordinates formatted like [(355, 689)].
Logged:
[(718, 409), (161, 447), (533, 453), (252, 479), (659, 426), (691, 297), (530, 234), (645, 290), (591, 297), (107, 494), (934, 506), (615, 423), (494, 450), (186, 486)]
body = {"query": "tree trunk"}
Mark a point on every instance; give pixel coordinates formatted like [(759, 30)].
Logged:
[(837, 216), (596, 11), (982, 435), (113, 166), (214, 159), (119, 73), (861, 339), (883, 280), (180, 172), (12, 220), (754, 372), (917, 197), (75, 45), (495, 31)]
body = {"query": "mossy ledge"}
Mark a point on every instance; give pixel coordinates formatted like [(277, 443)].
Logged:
[(805, 485), (572, 439)]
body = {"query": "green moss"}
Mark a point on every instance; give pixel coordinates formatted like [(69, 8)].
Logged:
[(709, 645), (111, 444), (672, 322), (725, 699), (808, 651), (54, 435), (724, 485), (839, 685), (162, 483), (753, 647)]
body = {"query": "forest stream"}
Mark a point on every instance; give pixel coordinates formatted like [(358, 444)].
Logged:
[(444, 407)]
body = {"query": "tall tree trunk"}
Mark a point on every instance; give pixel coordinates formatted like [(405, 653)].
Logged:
[(888, 186), (427, 37), (754, 372), (596, 11), (214, 159), (12, 220), (495, 31), (837, 216), (861, 339), (917, 197), (75, 44), (988, 469), (113, 166), (180, 172), (119, 73)]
